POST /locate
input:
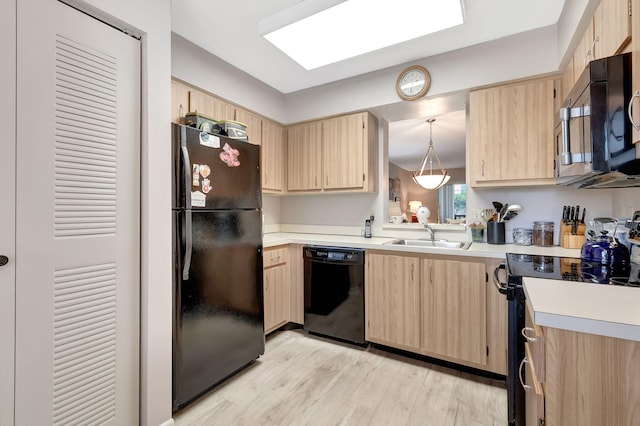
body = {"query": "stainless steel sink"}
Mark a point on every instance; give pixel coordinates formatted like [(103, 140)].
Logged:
[(431, 243)]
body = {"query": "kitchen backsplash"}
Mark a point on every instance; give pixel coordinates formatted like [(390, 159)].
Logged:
[(538, 204)]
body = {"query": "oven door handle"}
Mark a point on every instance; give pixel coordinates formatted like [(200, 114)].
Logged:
[(502, 287)]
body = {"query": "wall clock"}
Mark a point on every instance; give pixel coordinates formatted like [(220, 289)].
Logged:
[(413, 83)]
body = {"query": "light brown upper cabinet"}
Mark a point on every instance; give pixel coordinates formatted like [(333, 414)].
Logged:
[(343, 152), (511, 134), (348, 154), (273, 143), (179, 101), (612, 27), (584, 52), (209, 105), (304, 157), (253, 123)]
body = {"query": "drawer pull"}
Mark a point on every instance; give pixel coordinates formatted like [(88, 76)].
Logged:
[(524, 361), (529, 338)]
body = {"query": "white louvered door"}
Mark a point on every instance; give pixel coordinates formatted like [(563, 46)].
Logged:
[(78, 215)]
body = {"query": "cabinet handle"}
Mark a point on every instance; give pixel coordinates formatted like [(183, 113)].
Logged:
[(590, 51), (524, 334), (524, 361), (630, 110), (482, 169), (327, 179), (180, 111), (316, 180), (412, 273)]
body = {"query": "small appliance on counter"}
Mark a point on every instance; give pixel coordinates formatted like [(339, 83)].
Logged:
[(605, 249)]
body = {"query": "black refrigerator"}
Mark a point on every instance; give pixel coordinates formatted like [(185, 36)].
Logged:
[(218, 314)]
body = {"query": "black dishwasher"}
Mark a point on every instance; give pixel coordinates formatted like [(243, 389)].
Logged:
[(334, 292)]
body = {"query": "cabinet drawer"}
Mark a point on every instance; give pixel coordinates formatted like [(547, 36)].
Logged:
[(534, 392), (534, 336), (275, 256)]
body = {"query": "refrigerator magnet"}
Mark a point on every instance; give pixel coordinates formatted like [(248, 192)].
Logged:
[(229, 156), (205, 170), (195, 175), (209, 140), (206, 186), (198, 199)]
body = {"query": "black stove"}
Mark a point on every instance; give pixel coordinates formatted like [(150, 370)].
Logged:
[(557, 268), (570, 269)]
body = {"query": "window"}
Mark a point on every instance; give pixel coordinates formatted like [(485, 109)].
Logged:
[(453, 202)]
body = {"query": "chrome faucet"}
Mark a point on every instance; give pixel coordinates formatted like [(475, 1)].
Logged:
[(431, 230)]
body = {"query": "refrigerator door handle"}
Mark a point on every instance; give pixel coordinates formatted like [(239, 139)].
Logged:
[(187, 168), (188, 245)]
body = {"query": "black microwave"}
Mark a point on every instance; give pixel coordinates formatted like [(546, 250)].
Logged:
[(593, 135)]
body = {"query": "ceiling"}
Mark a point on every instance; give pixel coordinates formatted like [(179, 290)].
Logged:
[(229, 29)]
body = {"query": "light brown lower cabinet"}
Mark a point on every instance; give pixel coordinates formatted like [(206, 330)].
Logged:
[(575, 378), (439, 306), (283, 286), (276, 285)]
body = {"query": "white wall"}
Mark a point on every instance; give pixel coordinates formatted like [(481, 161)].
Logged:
[(510, 58), (543, 203), (198, 67), (152, 18)]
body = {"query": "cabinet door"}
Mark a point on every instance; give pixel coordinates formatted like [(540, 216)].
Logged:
[(304, 157), (296, 284), (209, 105), (254, 125), (635, 66), (343, 152), (487, 133), (612, 27), (179, 101), (454, 309), (392, 307), (272, 156), (567, 80), (531, 132), (276, 297), (511, 133), (497, 321), (584, 52)]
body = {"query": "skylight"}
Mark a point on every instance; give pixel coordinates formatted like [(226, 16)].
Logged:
[(354, 27)]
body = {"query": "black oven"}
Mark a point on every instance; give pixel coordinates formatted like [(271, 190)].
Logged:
[(518, 266)]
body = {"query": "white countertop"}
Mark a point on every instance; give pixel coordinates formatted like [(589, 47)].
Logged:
[(377, 243), (605, 310)]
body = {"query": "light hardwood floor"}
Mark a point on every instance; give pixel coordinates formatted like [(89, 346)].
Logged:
[(308, 380)]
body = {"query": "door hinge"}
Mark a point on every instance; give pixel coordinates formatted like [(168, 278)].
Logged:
[(487, 350)]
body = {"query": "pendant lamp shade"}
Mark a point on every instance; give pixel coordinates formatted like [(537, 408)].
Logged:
[(425, 176)]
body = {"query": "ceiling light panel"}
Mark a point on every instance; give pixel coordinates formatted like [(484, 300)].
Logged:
[(354, 27)]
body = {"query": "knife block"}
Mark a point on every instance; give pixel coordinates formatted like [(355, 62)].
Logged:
[(568, 240)]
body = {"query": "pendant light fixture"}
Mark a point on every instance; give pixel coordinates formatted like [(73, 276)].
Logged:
[(425, 177)]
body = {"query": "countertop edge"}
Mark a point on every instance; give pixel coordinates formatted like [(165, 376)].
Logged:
[(378, 243), (602, 310)]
